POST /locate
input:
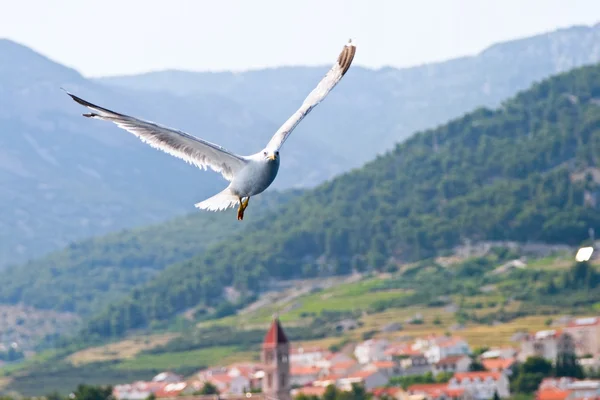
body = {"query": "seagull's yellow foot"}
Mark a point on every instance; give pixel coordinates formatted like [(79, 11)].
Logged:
[(242, 208)]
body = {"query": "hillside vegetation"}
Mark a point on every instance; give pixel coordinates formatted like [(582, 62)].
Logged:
[(88, 275), (73, 178), (485, 307), (526, 171)]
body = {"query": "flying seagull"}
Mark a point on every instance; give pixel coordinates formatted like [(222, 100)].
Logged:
[(249, 175)]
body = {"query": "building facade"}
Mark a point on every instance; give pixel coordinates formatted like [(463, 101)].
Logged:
[(275, 357), (548, 344), (586, 336)]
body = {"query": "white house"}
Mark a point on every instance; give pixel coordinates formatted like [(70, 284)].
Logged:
[(443, 347), (369, 379), (137, 390), (307, 355), (502, 352), (452, 364), (371, 350), (547, 344), (167, 377), (481, 385), (230, 384)]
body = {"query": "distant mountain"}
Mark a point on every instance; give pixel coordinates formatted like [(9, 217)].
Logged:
[(372, 110), (64, 178), (526, 171)]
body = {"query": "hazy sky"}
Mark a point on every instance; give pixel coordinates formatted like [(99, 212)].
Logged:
[(129, 36)]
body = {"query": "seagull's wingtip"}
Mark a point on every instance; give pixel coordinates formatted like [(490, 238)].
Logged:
[(66, 91)]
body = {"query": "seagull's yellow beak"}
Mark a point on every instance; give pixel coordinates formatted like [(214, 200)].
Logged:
[(272, 157)]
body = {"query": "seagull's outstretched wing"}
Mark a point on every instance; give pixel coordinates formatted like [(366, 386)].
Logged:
[(193, 150), (332, 78)]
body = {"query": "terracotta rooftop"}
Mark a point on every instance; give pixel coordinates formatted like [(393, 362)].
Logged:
[(498, 364), (477, 375), (436, 390), (275, 335), (552, 394), (302, 370), (361, 374), (383, 364), (450, 360), (343, 365)]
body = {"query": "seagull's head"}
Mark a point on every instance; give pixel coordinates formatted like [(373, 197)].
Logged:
[(271, 155)]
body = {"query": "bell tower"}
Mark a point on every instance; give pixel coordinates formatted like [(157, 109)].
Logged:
[(276, 363)]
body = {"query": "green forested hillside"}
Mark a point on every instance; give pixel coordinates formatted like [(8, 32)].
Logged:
[(526, 171), (87, 275)]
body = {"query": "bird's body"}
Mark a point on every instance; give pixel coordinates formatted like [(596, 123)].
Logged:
[(248, 175), (255, 177)]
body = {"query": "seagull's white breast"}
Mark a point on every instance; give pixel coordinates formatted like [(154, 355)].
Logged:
[(254, 177)]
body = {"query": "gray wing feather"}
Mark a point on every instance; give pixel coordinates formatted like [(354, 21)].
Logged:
[(330, 80), (193, 150)]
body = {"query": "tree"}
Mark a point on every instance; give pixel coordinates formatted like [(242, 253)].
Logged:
[(567, 365), (54, 396), (208, 388), (529, 375), (476, 365), (358, 392), (330, 393), (88, 392), (496, 396), (537, 365)]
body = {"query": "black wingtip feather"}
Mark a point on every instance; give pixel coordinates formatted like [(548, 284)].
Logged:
[(346, 56), (86, 103)]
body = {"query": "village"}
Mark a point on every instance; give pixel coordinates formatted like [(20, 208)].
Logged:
[(377, 365)]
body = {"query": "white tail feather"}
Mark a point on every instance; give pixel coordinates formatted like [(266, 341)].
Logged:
[(219, 202)]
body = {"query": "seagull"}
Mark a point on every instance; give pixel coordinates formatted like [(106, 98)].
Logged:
[(248, 175)]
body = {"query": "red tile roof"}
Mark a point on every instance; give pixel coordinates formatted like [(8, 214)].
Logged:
[(300, 370), (450, 360), (436, 390), (361, 374), (433, 389), (343, 365), (275, 336), (454, 392), (383, 364), (425, 387), (552, 394), (497, 364), (477, 375)]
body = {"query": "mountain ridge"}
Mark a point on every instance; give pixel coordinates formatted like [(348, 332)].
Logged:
[(54, 156), (519, 172)]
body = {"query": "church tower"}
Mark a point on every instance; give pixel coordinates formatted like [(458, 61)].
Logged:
[(276, 362)]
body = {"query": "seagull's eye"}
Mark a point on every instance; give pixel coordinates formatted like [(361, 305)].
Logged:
[(264, 153), (277, 153)]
